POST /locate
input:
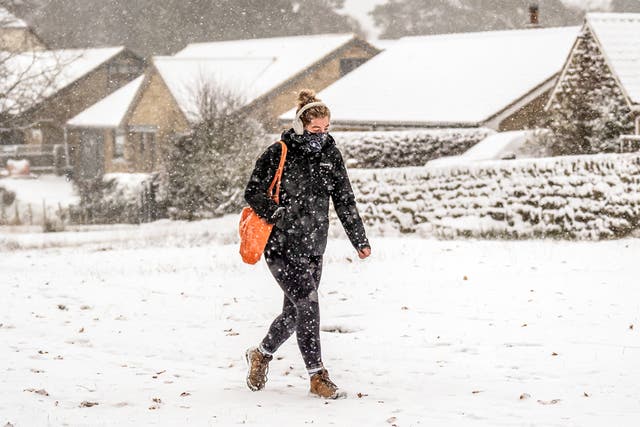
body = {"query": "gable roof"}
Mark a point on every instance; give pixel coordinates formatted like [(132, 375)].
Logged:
[(39, 75), (184, 77), (9, 20), (450, 79), (249, 68), (618, 35), (110, 111)]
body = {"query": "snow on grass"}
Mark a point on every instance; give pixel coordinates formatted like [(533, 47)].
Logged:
[(48, 192), (484, 333), (160, 233)]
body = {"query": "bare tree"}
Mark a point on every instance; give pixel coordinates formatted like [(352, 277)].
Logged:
[(207, 170), (26, 77)]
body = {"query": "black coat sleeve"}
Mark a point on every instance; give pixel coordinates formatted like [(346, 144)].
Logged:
[(345, 204), (256, 191)]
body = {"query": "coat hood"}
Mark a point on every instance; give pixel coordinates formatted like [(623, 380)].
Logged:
[(297, 142)]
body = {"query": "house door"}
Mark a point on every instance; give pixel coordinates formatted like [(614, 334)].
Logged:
[(91, 159)]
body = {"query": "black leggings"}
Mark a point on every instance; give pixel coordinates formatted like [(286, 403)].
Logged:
[(299, 278)]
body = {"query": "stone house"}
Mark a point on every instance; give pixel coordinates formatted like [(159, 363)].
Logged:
[(16, 35), (495, 79), (265, 73), (54, 86)]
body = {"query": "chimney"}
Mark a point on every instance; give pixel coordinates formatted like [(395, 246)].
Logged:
[(534, 15)]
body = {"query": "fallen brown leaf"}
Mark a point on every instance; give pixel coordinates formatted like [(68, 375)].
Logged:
[(549, 402), (524, 396), (361, 395), (185, 394), (554, 354), (41, 391), (87, 404)]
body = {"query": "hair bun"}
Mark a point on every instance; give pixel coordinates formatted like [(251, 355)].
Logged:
[(305, 97)]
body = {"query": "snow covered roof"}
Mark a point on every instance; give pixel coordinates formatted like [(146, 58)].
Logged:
[(9, 20), (497, 146), (184, 77), (619, 37), (382, 44), (450, 79), (252, 67), (38, 75), (110, 111)]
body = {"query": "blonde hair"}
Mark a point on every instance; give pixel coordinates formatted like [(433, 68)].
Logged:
[(307, 96)]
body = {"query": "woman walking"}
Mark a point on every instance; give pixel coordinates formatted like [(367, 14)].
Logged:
[(314, 172)]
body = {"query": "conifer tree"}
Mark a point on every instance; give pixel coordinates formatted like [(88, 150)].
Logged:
[(589, 111)]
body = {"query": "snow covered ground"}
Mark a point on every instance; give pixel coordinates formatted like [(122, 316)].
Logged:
[(153, 328)]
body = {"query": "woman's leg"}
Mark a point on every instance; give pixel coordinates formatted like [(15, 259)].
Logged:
[(299, 278), (281, 328)]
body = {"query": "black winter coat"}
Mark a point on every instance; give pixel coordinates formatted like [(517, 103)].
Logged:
[(308, 181)]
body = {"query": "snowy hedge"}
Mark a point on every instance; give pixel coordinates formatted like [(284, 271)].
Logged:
[(569, 197), (405, 148)]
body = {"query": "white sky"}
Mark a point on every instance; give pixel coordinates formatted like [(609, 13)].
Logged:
[(588, 4), (360, 9)]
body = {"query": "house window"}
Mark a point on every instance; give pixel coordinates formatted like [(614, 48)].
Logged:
[(142, 143), (349, 64), (11, 137), (126, 68), (119, 141), (36, 136), (121, 72), (148, 150)]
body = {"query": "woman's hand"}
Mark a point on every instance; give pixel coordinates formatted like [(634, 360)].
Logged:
[(364, 252)]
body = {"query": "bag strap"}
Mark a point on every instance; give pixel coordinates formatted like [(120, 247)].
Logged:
[(278, 176)]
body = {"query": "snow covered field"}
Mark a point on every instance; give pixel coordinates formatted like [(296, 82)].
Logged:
[(425, 332)]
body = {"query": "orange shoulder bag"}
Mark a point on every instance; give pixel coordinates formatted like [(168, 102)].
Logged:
[(255, 231)]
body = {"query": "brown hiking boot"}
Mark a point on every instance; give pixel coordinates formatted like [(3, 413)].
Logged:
[(322, 386), (258, 367)]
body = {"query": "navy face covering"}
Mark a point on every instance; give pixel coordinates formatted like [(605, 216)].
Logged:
[(315, 141)]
